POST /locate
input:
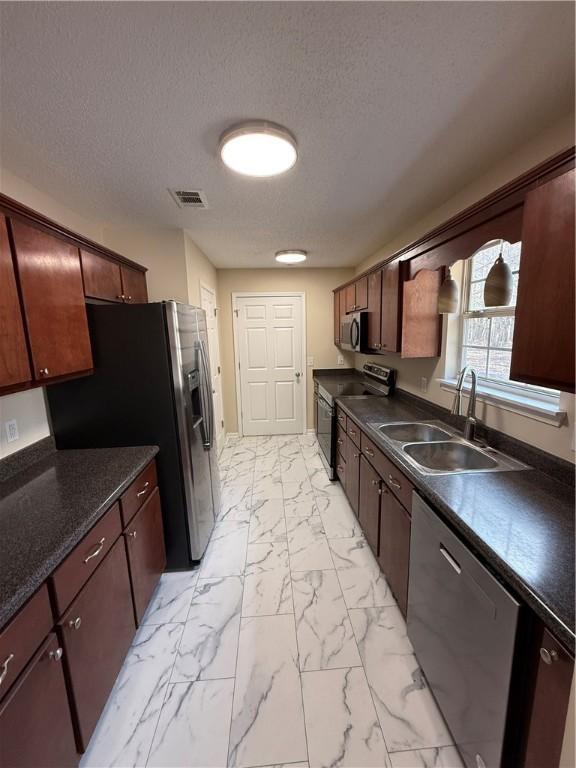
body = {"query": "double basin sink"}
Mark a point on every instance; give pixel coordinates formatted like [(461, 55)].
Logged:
[(433, 450)]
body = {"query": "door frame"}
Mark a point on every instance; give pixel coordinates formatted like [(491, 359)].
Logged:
[(222, 431), (304, 377)]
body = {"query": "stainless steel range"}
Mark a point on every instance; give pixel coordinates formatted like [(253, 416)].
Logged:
[(374, 381)]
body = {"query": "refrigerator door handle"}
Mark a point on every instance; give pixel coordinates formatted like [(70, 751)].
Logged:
[(207, 399)]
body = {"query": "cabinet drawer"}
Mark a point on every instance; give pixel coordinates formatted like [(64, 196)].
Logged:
[(353, 432), (69, 578), (341, 418), (146, 553), (22, 636), (96, 633), (133, 498), (341, 468), (35, 721), (388, 471)]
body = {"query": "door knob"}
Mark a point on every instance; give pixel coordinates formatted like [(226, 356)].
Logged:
[(57, 654), (548, 657), (44, 371), (298, 374), (75, 623)]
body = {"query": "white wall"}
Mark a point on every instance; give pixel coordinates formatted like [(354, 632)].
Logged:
[(555, 440)]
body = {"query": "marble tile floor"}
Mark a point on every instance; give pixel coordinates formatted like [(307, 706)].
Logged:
[(283, 648)]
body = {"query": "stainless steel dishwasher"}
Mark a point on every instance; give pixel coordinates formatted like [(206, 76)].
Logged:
[(462, 624)]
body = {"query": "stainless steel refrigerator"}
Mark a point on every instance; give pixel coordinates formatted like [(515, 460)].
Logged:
[(151, 386)]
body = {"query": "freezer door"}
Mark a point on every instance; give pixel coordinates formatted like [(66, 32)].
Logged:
[(183, 334), (208, 413)]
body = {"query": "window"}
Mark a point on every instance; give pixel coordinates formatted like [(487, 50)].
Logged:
[(487, 332)]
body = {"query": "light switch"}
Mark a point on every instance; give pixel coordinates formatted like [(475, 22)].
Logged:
[(12, 433)]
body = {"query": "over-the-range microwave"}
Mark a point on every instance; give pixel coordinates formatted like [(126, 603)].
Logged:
[(354, 331)]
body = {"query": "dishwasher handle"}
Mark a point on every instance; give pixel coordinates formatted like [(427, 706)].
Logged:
[(453, 562)]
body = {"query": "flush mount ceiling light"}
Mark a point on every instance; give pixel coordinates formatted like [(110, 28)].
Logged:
[(290, 257), (259, 149)]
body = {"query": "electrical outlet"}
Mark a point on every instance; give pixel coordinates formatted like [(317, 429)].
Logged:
[(310, 362), (423, 384), (12, 433), (340, 360)]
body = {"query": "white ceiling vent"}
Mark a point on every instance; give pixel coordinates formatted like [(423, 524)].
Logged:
[(185, 198)]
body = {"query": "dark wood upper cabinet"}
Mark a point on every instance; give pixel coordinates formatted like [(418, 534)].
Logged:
[(391, 308), (14, 362), (102, 278), (35, 722), (394, 554), (133, 285), (337, 317), (547, 719), (350, 298), (361, 290), (369, 504), (146, 554), (421, 323), (374, 309), (53, 297), (96, 633), (544, 341)]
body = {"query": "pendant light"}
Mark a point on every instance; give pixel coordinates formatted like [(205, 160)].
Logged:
[(448, 295), (499, 283)]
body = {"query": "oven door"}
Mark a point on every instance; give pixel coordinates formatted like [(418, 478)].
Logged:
[(324, 431)]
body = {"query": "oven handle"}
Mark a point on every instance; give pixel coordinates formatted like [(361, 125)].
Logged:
[(355, 333)]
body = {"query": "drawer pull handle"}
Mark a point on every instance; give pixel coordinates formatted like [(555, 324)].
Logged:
[(5, 667), (56, 655), (394, 483), (128, 298), (144, 489), (375, 482), (44, 372), (369, 452), (132, 534), (450, 559), (75, 623), (340, 442), (340, 468), (548, 657), (97, 551), (121, 296), (353, 432)]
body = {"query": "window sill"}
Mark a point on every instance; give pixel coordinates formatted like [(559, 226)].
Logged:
[(532, 408)]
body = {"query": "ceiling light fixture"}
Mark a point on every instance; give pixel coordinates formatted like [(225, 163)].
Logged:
[(499, 283), (259, 149), (448, 295), (290, 257)]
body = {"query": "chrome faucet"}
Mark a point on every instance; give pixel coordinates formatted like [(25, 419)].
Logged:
[(470, 423)]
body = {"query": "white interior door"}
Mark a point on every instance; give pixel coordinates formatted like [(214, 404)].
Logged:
[(270, 352), (208, 301)]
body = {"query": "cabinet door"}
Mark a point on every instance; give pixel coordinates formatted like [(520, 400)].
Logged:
[(395, 547), (337, 317), (53, 296), (549, 704), (543, 345), (35, 721), (391, 306), (353, 475), (343, 310), (374, 309), (350, 298), (14, 363), (361, 289), (101, 277), (146, 552), (369, 504), (341, 469), (97, 631), (134, 285), (421, 326)]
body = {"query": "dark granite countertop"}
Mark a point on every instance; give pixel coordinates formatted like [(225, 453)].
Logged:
[(521, 523), (48, 504)]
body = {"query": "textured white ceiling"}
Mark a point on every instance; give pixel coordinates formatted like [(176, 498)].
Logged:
[(395, 106)]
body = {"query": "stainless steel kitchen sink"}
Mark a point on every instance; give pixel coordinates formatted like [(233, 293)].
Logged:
[(414, 432), (452, 456), (435, 449)]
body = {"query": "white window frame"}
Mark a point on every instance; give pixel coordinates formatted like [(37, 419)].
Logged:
[(529, 400)]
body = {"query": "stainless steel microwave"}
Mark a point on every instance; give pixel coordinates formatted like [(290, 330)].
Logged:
[(354, 331)]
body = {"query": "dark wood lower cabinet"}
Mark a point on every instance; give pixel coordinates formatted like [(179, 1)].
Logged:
[(353, 475), (369, 503), (146, 553), (549, 704), (394, 555), (96, 633), (35, 721)]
